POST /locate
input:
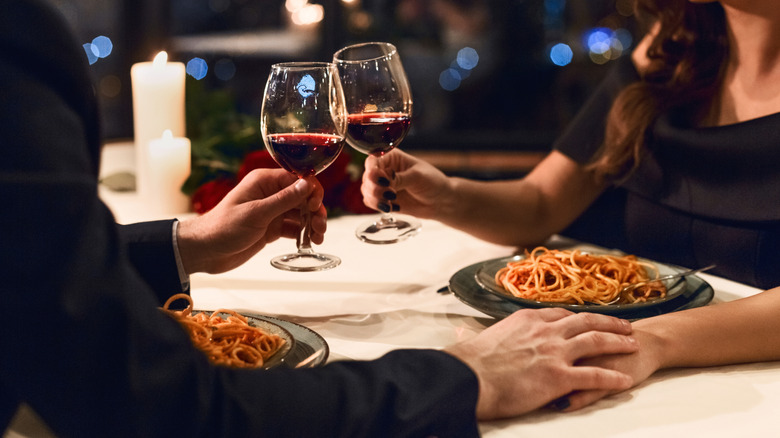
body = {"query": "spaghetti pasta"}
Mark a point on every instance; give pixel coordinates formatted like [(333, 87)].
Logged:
[(574, 277), (229, 341)]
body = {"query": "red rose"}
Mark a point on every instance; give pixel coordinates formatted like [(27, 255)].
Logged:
[(341, 192), (335, 174), (209, 194), (256, 160), (353, 199)]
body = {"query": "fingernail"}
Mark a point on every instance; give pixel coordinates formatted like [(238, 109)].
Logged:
[(383, 207), (396, 207), (560, 404), (382, 181), (302, 186), (389, 195)]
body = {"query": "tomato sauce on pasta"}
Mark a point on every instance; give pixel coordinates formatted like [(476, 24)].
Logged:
[(229, 341), (574, 277)]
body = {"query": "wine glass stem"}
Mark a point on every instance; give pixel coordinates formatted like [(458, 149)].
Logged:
[(387, 216), (304, 236)]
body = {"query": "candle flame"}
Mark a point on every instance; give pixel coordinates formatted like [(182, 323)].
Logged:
[(160, 59), (167, 134)]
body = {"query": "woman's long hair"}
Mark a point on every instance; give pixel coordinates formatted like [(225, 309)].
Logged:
[(687, 57)]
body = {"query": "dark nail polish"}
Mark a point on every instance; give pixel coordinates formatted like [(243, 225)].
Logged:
[(382, 181), (389, 195), (383, 207), (560, 404), (396, 207)]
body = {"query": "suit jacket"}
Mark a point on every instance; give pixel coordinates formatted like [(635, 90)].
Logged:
[(85, 345)]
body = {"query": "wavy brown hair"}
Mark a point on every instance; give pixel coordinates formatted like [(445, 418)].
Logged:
[(687, 57)]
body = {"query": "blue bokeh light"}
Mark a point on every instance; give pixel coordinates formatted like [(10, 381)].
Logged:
[(450, 79), (103, 46), (604, 44), (599, 39), (561, 54), (90, 51), (197, 68), (100, 47), (306, 86), (467, 58), (625, 37), (225, 69)]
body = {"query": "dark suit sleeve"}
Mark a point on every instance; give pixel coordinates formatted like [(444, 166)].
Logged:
[(86, 346), (149, 247)]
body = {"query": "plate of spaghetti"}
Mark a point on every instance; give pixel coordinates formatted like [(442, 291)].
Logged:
[(231, 339), (578, 281)]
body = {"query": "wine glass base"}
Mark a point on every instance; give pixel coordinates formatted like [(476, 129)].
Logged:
[(388, 230), (305, 262)]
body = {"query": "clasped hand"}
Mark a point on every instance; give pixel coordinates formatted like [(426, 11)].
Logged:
[(263, 207)]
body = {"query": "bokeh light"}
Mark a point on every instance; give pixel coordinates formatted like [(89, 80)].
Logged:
[(110, 86), (197, 68), (308, 14), (100, 47), (604, 44), (450, 79), (561, 54), (468, 58), (225, 69), (306, 86), (103, 45)]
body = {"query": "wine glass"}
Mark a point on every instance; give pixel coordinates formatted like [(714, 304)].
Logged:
[(379, 107), (303, 121)]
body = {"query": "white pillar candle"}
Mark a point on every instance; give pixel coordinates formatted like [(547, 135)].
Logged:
[(169, 167), (158, 104)]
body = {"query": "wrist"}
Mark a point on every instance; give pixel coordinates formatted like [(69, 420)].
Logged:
[(654, 343), (448, 200), (190, 252), (464, 352)]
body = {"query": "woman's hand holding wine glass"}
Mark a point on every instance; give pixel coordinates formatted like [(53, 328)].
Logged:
[(303, 123), (379, 106)]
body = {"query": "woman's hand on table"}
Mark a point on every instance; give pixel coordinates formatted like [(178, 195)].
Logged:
[(639, 365), (532, 357), (413, 184), (262, 208)]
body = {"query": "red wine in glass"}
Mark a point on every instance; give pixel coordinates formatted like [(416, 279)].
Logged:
[(305, 154), (303, 123), (379, 111), (377, 133)]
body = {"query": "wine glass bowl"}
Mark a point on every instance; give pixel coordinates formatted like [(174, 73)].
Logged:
[(379, 114), (303, 123)]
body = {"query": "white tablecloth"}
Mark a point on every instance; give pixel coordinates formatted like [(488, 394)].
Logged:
[(384, 297)]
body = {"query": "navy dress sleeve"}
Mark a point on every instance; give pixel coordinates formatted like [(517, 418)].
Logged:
[(583, 137), (698, 196), (87, 348)]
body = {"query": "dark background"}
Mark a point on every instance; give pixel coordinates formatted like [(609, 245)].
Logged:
[(514, 99)]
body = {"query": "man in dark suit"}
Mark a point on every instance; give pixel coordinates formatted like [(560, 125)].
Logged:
[(86, 349)]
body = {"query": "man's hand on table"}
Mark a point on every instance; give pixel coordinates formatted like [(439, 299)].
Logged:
[(531, 358)]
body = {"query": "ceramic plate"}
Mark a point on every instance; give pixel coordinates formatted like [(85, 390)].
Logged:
[(304, 348), (475, 286)]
